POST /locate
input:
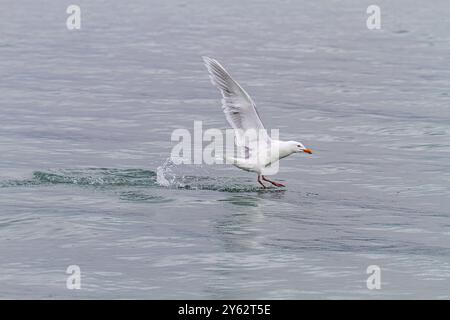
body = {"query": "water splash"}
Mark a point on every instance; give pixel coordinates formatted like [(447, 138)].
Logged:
[(164, 174), (171, 175)]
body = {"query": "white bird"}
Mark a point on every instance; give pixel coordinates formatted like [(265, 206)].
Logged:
[(240, 110)]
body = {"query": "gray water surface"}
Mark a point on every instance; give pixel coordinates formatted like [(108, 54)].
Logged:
[(86, 119)]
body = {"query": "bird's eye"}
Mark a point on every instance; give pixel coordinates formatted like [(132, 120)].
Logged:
[(298, 146)]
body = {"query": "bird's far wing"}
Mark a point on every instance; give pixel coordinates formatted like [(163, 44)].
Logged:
[(237, 105)]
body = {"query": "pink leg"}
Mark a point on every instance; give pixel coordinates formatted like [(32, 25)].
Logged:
[(276, 184), (260, 182)]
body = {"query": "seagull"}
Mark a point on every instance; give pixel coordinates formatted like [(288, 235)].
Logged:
[(261, 151)]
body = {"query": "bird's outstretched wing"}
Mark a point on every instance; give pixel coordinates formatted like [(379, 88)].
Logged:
[(239, 108)]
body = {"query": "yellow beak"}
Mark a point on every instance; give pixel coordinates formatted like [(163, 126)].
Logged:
[(307, 151)]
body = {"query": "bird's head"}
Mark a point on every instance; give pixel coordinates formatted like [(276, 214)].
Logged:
[(298, 147)]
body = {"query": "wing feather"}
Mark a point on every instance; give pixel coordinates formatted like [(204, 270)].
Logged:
[(239, 108)]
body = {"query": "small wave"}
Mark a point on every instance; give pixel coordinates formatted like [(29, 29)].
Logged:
[(87, 177), (163, 177), (143, 197), (98, 177), (18, 183)]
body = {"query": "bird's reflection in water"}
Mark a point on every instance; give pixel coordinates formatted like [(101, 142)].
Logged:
[(272, 194), (242, 227), (239, 228), (241, 231), (239, 200)]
